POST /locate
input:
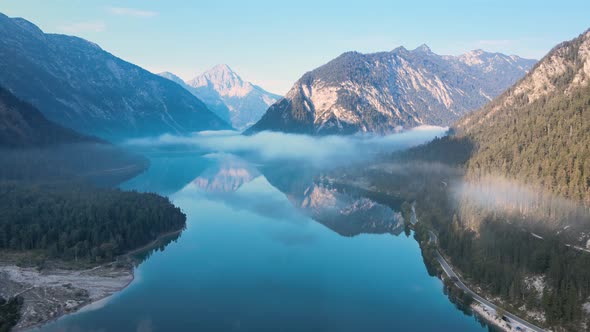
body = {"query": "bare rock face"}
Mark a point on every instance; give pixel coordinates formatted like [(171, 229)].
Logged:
[(244, 102), (383, 92)]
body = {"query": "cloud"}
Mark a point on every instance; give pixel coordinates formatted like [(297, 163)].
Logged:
[(132, 12), (320, 151), (78, 27)]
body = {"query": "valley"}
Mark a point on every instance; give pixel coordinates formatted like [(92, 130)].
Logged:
[(147, 186), (269, 228)]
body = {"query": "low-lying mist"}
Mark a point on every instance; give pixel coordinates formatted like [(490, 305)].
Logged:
[(321, 151), (490, 197), (496, 194)]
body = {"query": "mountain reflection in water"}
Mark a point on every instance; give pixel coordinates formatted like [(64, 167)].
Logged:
[(343, 213)]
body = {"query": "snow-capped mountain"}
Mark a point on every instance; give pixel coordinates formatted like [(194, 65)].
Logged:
[(244, 101), (78, 85), (212, 100), (382, 92)]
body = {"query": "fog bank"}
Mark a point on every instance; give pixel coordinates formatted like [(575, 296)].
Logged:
[(316, 150)]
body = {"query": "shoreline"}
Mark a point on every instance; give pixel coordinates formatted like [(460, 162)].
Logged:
[(490, 318), (480, 303), (153, 243), (98, 284), (78, 309)]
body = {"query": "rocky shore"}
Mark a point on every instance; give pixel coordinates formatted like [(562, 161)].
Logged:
[(50, 293)]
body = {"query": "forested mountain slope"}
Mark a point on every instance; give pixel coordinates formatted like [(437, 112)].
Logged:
[(53, 213), (49, 203), (538, 132), (22, 125)]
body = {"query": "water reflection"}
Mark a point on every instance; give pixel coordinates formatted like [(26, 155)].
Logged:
[(251, 259), (143, 254), (350, 216), (169, 170), (227, 175), (344, 213)]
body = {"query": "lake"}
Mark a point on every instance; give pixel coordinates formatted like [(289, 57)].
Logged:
[(267, 248)]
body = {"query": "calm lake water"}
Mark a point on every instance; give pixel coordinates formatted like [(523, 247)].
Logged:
[(272, 251)]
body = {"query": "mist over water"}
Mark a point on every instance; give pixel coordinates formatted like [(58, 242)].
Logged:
[(492, 194), (320, 151), (267, 248)]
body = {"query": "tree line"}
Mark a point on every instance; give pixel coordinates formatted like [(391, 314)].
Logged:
[(82, 222)]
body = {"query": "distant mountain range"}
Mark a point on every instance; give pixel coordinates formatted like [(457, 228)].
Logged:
[(239, 102), (382, 92), (80, 86)]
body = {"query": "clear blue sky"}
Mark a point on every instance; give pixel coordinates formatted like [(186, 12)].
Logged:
[(272, 43)]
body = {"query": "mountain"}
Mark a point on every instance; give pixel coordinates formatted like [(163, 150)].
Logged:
[(537, 132), (518, 224), (382, 92), (22, 125), (212, 100), (36, 150), (75, 83), (244, 102)]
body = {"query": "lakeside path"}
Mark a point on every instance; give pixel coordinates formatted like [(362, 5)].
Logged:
[(516, 321)]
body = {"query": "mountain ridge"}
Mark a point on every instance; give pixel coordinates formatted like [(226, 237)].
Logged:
[(381, 92), (22, 125), (75, 83)]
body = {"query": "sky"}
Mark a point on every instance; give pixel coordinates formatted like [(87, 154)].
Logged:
[(273, 43)]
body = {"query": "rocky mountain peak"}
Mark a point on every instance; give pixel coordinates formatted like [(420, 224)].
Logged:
[(224, 80), (399, 49), (229, 96), (423, 48)]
